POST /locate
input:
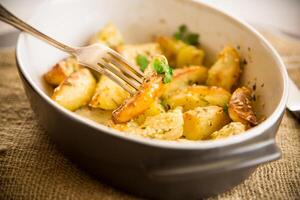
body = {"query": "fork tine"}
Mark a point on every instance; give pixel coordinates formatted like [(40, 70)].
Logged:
[(101, 69), (124, 69), (120, 58), (119, 74)]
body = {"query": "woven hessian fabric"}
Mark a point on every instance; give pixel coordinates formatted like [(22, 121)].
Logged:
[(32, 168)]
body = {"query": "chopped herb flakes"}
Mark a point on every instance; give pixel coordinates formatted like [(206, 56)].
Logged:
[(161, 67), (186, 36), (142, 61)]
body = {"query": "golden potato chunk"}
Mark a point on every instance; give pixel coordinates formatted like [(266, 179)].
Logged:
[(155, 109), (130, 51), (170, 48), (240, 107), (140, 102), (189, 55), (198, 96), (61, 71), (168, 126), (203, 121), (228, 130), (109, 35), (76, 90), (226, 71), (180, 54), (185, 76), (108, 95)]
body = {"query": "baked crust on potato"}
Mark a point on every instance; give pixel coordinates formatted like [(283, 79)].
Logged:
[(139, 102), (185, 76), (240, 107), (226, 71), (76, 90), (61, 70)]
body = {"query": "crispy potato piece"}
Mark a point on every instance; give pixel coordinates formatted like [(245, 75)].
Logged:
[(140, 102), (108, 95), (61, 71), (189, 55), (198, 95), (202, 121), (155, 109), (168, 126), (228, 130), (185, 76), (170, 48), (226, 71), (240, 107), (109, 35), (130, 51), (180, 54), (76, 90)]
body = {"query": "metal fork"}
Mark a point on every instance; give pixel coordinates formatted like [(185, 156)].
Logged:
[(97, 57)]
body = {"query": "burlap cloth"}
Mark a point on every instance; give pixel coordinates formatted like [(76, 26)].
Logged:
[(32, 168)]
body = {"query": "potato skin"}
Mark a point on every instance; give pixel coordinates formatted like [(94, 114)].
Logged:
[(109, 35), (76, 90), (140, 102), (108, 94), (61, 70), (131, 51), (233, 128), (226, 70), (185, 76), (203, 121), (198, 96), (240, 107)]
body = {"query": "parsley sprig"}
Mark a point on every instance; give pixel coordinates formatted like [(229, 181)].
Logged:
[(186, 36), (142, 61), (161, 67)]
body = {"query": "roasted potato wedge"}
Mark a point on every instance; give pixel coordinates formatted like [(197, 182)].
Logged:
[(185, 76), (130, 52), (108, 94), (180, 54), (240, 107), (76, 90), (203, 121), (228, 130), (155, 109), (167, 126), (61, 71), (137, 104), (170, 48), (109, 35), (189, 55), (226, 70), (198, 96)]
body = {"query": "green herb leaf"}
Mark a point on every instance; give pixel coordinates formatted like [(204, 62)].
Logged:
[(162, 67), (225, 108), (186, 36), (142, 61)]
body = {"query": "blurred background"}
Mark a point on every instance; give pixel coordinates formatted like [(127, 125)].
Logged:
[(278, 15)]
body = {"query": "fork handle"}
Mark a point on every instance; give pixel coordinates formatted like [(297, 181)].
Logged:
[(11, 19)]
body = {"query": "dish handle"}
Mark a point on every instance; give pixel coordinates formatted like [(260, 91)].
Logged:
[(237, 158)]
